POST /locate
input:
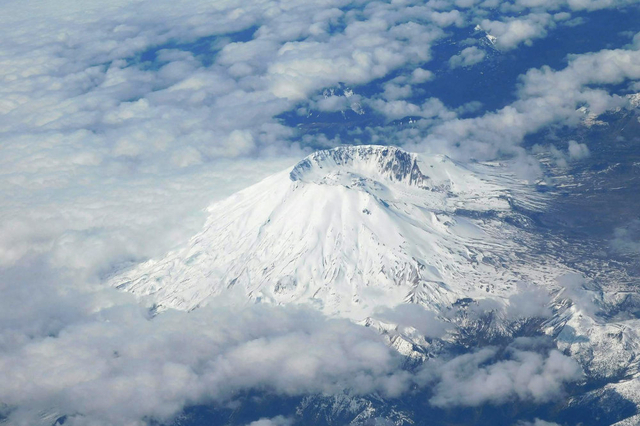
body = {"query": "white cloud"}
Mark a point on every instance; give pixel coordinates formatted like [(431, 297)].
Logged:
[(597, 4), (97, 357), (415, 317), (332, 103), (239, 142), (275, 421), (468, 57), (445, 19), (543, 4), (537, 422), (473, 379), (626, 239), (572, 5), (575, 152), (578, 151), (529, 302), (575, 289), (420, 75), (514, 31), (366, 51), (394, 91), (546, 97), (397, 109)]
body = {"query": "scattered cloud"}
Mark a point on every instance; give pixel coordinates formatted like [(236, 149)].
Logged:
[(575, 288), (575, 152), (468, 57), (414, 316), (529, 302), (479, 378), (511, 32), (275, 421), (431, 108), (537, 422), (578, 151), (420, 75), (626, 239), (545, 97)]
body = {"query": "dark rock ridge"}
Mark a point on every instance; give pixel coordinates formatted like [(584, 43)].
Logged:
[(390, 162)]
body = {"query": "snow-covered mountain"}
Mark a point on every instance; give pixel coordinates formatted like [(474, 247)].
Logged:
[(352, 229)]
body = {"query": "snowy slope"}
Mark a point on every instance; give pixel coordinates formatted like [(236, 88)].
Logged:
[(352, 229)]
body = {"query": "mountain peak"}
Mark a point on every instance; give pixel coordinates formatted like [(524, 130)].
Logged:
[(368, 161), (348, 230)]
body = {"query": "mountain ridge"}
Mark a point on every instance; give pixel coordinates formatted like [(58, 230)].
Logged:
[(390, 162)]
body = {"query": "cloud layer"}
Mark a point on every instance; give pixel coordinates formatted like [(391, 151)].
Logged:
[(100, 359), (97, 357)]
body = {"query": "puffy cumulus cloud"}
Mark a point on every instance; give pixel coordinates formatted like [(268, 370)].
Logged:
[(598, 4), (239, 142), (575, 288), (482, 377), (149, 92), (523, 21), (413, 316), (375, 421), (431, 108), (537, 4), (572, 5), (420, 75), (575, 152), (578, 151), (335, 99), (512, 32), (537, 422), (393, 91), (529, 302), (158, 93), (626, 239), (366, 50), (275, 421), (332, 103), (97, 357), (558, 156), (468, 57), (545, 97), (583, 72), (401, 87)]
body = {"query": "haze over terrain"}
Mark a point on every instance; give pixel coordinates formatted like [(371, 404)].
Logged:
[(277, 213)]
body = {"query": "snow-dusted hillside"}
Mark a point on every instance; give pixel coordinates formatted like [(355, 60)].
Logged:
[(351, 229)]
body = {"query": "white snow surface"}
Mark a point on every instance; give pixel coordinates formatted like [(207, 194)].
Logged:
[(352, 229)]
